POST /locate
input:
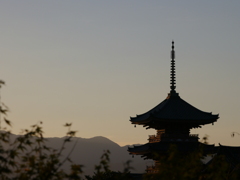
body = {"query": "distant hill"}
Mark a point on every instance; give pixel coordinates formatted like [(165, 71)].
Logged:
[(88, 152)]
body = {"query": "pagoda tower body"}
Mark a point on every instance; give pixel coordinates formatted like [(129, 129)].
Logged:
[(173, 119)]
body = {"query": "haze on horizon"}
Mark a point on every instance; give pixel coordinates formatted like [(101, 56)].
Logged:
[(96, 63)]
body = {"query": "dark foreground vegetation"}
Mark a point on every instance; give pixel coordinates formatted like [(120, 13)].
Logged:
[(27, 157)]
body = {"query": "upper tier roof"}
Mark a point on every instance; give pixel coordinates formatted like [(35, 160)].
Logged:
[(174, 110)]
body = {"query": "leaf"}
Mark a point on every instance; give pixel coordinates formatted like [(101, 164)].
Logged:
[(7, 122), (2, 83), (68, 124)]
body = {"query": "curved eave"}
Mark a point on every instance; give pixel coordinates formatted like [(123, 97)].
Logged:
[(199, 121), (155, 122), (231, 153), (174, 110), (139, 150), (144, 118), (150, 148), (230, 148)]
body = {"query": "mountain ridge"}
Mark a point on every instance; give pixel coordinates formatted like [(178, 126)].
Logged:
[(87, 152)]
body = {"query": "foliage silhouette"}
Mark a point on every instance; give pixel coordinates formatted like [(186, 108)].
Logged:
[(28, 156), (102, 171)]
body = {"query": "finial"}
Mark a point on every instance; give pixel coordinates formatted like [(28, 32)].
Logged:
[(172, 52), (173, 87)]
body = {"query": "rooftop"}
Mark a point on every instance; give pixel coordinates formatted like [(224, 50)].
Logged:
[(174, 109)]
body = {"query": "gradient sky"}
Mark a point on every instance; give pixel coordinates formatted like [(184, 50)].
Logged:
[(96, 63)]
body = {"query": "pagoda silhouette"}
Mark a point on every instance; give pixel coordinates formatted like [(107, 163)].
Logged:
[(173, 119)]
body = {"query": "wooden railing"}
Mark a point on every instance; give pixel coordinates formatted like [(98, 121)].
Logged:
[(172, 137), (151, 169), (153, 139)]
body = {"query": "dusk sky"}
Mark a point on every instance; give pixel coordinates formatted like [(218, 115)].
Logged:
[(95, 63)]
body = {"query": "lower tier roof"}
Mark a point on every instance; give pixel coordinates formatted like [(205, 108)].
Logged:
[(163, 147)]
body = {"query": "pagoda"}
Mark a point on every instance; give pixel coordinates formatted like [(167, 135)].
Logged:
[(173, 119)]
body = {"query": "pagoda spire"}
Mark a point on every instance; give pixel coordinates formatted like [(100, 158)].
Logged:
[(172, 81)]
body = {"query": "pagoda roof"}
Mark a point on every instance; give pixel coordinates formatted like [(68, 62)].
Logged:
[(231, 154), (174, 110), (163, 147)]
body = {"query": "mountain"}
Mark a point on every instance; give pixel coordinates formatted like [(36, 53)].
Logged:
[(88, 152)]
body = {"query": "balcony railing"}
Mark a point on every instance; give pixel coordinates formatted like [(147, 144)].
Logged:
[(180, 135), (151, 169), (173, 137), (154, 138)]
